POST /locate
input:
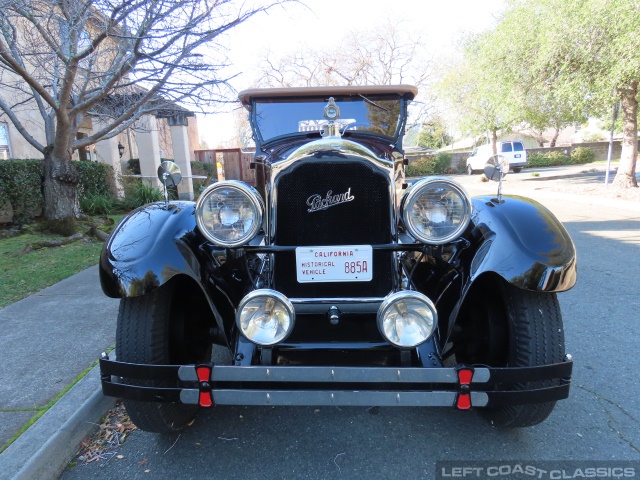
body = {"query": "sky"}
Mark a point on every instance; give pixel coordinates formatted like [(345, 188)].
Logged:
[(324, 22)]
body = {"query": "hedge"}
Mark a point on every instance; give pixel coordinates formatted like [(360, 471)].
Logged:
[(431, 165), (577, 156), (21, 184)]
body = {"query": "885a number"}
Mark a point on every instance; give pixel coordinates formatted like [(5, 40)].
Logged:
[(358, 266)]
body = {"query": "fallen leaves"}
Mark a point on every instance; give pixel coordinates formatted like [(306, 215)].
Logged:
[(112, 433)]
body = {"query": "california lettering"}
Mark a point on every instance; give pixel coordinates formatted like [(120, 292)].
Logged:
[(316, 202)]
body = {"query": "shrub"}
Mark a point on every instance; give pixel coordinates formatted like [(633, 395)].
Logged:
[(431, 165), (21, 186), (97, 203), (206, 169), (133, 165), (547, 159), (138, 194), (95, 179), (582, 155)]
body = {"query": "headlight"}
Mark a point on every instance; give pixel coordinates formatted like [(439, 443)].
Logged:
[(229, 213), (436, 210), (407, 318), (265, 317)]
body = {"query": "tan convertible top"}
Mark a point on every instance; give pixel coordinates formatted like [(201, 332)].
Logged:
[(246, 95)]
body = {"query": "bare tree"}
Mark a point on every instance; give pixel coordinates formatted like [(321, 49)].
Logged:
[(381, 55), (113, 60)]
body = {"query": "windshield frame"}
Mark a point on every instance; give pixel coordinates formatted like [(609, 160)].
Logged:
[(320, 100)]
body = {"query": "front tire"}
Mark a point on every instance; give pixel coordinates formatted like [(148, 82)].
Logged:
[(161, 328), (525, 330)]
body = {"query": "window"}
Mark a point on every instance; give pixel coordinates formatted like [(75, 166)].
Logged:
[(5, 152), (506, 147), (518, 147)]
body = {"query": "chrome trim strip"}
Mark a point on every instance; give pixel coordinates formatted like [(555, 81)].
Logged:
[(336, 300), (229, 373), (479, 399), (334, 398)]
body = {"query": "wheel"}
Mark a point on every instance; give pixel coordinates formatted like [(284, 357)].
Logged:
[(469, 170), (516, 169), (520, 328), (162, 327)]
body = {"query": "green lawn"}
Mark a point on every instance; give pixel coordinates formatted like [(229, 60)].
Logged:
[(22, 275)]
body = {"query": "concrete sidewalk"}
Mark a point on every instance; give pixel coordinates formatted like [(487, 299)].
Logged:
[(47, 340)]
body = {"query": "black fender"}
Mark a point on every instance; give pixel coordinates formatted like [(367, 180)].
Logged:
[(524, 243), (149, 247), (521, 241)]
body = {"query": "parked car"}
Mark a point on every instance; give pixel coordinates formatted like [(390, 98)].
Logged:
[(515, 153), (335, 283)]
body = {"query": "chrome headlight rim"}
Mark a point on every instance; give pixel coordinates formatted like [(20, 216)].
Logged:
[(245, 189), (393, 298), (266, 292), (414, 192)]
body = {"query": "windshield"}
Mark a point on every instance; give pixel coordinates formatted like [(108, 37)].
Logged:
[(279, 116)]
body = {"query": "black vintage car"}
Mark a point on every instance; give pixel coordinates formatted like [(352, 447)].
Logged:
[(334, 282)]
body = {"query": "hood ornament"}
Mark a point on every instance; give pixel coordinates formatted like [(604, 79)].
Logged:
[(331, 113)]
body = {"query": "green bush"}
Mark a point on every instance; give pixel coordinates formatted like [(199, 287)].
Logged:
[(206, 169), (95, 179), (133, 165), (139, 193), (21, 186), (547, 159), (431, 165), (582, 155), (94, 203)]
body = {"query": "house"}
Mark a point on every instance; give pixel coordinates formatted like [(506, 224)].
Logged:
[(164, 130)]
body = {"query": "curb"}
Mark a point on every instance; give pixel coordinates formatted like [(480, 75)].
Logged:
[(45, 449)]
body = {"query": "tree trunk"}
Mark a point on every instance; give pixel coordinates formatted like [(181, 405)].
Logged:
[(626, 176), (555, 138), (494, 140), (60, 187)]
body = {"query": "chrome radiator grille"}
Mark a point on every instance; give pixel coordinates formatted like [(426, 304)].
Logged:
[(363, 220)]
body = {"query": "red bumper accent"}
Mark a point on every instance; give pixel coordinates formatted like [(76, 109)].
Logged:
[(204, 378), (465, 375)]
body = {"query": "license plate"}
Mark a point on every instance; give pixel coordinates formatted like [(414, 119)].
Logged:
[(341, 263), (517, 155)]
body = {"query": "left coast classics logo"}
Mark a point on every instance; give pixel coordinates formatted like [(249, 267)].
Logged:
[(317, 202)]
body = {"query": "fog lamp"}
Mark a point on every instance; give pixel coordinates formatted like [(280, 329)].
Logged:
[(265, 317), (407, 318)]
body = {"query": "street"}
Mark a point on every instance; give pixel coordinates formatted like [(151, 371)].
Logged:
[(599, 421)]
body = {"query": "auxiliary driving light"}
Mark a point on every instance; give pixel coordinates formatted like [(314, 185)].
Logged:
[(265, 317), (407, 318)]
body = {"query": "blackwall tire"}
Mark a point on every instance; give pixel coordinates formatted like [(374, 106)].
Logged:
[(143, 336), (516, 169), (536, 337)]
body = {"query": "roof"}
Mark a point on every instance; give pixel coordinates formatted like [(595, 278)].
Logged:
[(246, 95)]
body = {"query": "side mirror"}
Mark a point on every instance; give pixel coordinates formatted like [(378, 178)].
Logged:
[(496, 167), (169, 174)]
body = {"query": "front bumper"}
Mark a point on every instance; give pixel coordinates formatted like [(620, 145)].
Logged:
[(462, 386)]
